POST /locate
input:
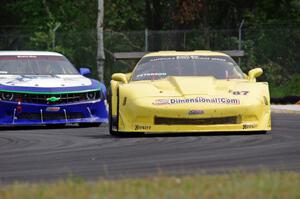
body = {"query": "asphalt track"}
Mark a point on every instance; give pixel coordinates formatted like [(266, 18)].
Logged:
[(41, 154)]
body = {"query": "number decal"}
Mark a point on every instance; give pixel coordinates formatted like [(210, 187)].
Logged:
[(239, 92)]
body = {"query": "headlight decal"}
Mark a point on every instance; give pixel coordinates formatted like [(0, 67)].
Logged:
[(7, 96)]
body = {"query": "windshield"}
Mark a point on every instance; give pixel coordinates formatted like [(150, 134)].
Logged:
[(220, 67), (35, 65)]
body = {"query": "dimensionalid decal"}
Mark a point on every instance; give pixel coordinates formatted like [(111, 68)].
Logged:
[(218, 100)]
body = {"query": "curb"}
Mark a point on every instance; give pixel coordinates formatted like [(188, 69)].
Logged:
[(290, 109)]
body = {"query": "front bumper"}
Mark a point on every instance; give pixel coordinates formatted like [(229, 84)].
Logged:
[(143, 116), (12, 113)]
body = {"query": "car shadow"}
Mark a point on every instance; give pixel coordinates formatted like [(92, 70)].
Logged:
[(195, 134), (20, 128)]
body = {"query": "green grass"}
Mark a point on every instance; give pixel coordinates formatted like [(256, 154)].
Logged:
[(237, 185), (290, 88)]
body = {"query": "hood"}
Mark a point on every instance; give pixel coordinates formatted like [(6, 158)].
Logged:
[(46, 83), (187, 86), (193, 85)]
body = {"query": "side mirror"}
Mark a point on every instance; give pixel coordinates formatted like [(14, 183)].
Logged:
[(119, 77), (254, 73), (128, 76), (84, 71)]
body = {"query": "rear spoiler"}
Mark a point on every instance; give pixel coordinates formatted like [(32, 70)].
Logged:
[(139, 55)]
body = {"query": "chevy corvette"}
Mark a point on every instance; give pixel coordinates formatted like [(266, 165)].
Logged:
[(196, 91), (44, 88)]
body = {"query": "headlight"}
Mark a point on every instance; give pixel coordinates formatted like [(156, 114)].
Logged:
[(91, 95), (94, 95), (7, 96)]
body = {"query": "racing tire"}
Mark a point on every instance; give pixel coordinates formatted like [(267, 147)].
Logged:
[(262, 132), (55, 125), (86, 125), (257, 132), (111, 131)]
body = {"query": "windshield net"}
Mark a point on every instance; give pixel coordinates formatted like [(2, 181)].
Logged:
[(35, 65), (220, 67)]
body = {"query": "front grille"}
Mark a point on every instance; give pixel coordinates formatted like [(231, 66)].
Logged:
[(50, 116), (52, 99), (197, 121)]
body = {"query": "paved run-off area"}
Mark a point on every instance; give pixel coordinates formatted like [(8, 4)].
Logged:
[(41, 154), (292, 108)]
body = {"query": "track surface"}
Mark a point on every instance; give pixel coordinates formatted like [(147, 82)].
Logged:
[(41, 154)]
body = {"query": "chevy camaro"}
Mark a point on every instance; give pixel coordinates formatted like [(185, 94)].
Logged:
[(197, 91), (44, 88)]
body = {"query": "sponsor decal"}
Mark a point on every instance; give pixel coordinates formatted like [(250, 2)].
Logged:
[(161, 102), (217, 100), (26, 56), (197, 57), (42, 57), (190, 57), (28, 79), (142, 127), (53, 109), (162, 59), (151, 74), (196, 112), (249, 126)]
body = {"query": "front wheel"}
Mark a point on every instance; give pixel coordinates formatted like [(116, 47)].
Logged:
[(111, 131), (262, 132), (55, 125), (85, 125)]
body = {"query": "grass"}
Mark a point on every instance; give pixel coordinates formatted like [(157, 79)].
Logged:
[(290, 88), (236, 185)]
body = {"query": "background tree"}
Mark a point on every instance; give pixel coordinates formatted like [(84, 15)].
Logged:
[(100, 49), (271, 34)]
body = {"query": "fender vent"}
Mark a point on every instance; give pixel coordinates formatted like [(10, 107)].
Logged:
[(196, 121)]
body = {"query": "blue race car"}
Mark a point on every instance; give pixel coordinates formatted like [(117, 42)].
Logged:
[(38, 88)]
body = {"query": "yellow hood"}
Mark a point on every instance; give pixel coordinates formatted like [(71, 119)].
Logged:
[(185, 86)]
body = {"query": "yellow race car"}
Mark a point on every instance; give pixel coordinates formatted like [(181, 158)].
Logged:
[(196, 91)]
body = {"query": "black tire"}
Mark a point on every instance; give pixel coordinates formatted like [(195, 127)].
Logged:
[(111, 131), (262, 132), (86, 125), (55, 125), (256, 132)]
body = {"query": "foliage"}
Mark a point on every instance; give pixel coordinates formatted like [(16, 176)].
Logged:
[(289, 88), (271, 34), (187, 11), (124, 15)]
